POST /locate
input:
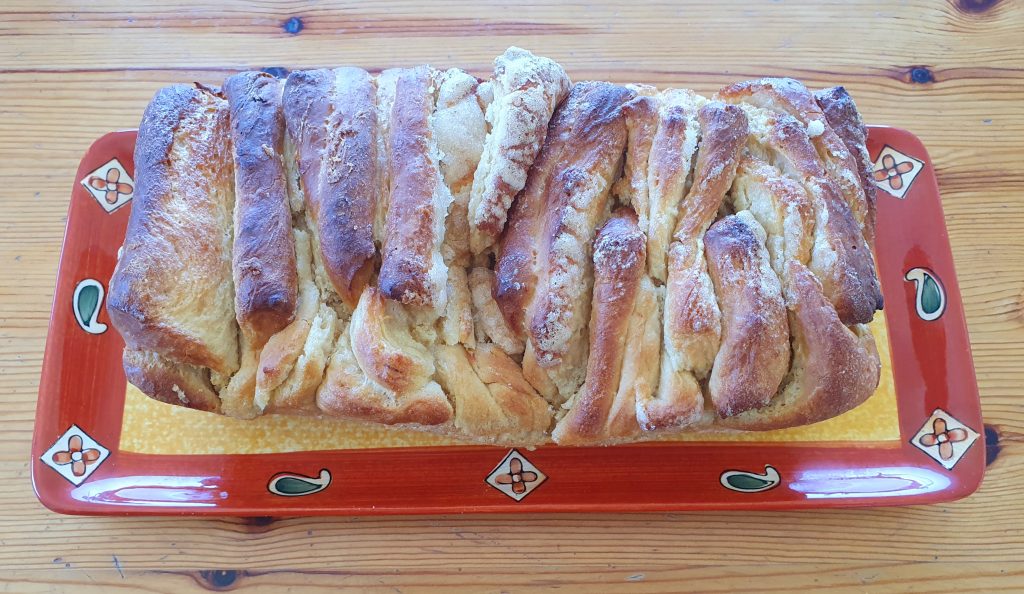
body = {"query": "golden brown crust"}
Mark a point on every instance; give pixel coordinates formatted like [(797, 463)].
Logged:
[(167, 295), (641, 117), (332, 121), (780, 205), (663, 134), (348, 394), (526, 89), (823, 350), (572, 150), (843, 116), (291, 364), (514, 394), (384, 347), (544, 266), (170, 382), (490, 325), (266, 285), (671, 171), (840, 258), (834, 368), (378, 373), (492, 401), (754, 353), (386, 82), (692, 317), (412, 269), (791, 97), (296, 393), (277, 359), (599, 411), (800, 141), (458, 127)]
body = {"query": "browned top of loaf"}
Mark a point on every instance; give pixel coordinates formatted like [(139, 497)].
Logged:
[(844, 117), (754, 355), (172, 291), (619, 261), (834, 368), (331, 117), (527, 89), (574, 148), (723, 131), (412, 229), (850, 280), (790, 96), (266, 282), (783, 94)]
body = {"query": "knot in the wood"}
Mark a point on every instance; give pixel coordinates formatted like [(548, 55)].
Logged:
[(259, 520), (992, 447), (293, 26), (975, 6), (921, 75), (218, 579)]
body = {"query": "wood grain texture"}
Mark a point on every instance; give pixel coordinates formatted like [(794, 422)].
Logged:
[(951, 71), (611, 579)]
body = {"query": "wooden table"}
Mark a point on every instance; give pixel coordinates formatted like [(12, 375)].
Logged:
[(953, 72)]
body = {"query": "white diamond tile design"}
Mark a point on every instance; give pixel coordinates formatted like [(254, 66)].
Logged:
[(944, 438), (110, 185), (894, 172), (515, 476), (75, 455)]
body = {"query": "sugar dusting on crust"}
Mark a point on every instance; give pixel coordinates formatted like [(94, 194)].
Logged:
[(181, 394), (815, 128), (526, 89)]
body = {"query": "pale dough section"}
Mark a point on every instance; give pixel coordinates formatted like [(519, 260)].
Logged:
[(152, 427)]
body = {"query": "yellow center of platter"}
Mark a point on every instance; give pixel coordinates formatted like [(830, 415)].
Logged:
[(152, 427)]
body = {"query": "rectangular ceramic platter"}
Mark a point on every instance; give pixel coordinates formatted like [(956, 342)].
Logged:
[(101, 447)]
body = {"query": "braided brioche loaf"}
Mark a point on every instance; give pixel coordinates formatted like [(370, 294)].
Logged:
[(508, 261)]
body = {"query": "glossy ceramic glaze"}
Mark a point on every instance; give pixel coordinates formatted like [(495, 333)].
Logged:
[(77, 467)]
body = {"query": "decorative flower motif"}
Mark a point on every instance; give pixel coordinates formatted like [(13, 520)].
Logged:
[(943, 437), (110, 185), (516, 476), (893, 171), (76, 456)]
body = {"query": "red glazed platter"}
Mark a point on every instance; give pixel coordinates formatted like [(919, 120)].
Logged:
[(100, 447)]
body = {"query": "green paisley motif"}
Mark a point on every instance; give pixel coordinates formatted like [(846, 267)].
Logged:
[(929, 296), (746, 482), (289, 484), (86, 303), (751, 482)]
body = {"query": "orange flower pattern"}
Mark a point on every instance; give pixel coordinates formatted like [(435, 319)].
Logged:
[(943, 437), (110, 185), (516, 476), (77, 457), (893, 171)]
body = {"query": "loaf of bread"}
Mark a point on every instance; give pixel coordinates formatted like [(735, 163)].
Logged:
[(510, 260), (172, 296)]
